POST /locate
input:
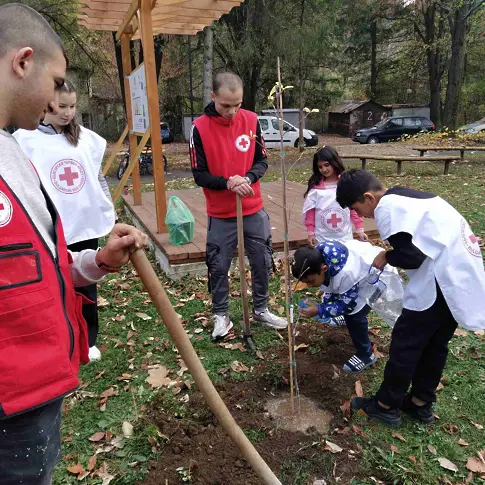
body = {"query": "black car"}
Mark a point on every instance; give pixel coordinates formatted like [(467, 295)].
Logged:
[(393, 128)]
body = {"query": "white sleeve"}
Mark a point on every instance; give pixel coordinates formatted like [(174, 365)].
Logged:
[(84, 270)]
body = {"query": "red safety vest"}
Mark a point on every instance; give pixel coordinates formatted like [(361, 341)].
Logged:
[(229, 150), (43, 335)]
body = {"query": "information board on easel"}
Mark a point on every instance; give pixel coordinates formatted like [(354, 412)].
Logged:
[(139, 101)]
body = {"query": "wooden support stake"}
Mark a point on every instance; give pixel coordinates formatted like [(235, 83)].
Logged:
[(146, 29), (126, 57), (177, 332), (447, 167), (399, 167), (242, 267), (134, 156), (115, 150), (462, 154), (364, 162), (286, 259)]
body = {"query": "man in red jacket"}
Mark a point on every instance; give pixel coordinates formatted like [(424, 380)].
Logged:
[(228, 158), (43, 336)]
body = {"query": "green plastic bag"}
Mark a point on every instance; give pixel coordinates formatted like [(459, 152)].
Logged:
[(180, 222)]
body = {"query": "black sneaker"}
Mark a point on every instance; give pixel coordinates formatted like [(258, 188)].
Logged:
[(370, 408), (420, 413)]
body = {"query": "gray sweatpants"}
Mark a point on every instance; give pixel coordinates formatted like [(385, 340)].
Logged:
[(221, 245)]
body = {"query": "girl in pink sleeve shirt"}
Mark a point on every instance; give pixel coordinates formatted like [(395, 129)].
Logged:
[(322, 215)]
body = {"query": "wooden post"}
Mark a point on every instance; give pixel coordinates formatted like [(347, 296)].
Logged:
[(421, 153), (135, 175), (115, 150), (447, 167), (399, 167), (364, 162), (462, 154), (146, 30)]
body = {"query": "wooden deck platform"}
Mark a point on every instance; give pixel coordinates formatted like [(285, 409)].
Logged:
[(194, 199)]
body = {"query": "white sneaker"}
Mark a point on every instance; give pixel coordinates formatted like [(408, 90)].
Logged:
[(222, 326), (94, 353), (270, 319)]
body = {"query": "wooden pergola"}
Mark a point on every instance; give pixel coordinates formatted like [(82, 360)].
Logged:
[(142, 19)]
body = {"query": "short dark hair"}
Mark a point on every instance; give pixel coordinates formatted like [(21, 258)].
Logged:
[(227, 80), (21, 26), (307, 261), (353, 184)]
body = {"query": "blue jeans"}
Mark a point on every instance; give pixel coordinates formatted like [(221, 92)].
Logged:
[(358, 327), (30, 445)]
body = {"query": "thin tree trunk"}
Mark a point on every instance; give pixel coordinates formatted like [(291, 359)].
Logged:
[(119, 64), (208, 54), (457, 64), (373, 59)]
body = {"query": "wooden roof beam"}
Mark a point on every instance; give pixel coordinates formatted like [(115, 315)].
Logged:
[(134, 7)]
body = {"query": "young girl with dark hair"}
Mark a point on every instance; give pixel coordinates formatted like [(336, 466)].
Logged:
[(323, 216), (68, 159)]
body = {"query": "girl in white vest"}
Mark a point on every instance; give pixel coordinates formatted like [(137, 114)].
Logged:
[(68, 159), (432, 241), (322, 215)]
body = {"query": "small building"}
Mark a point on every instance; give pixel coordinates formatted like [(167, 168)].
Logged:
[(350, 116), (408, 109)]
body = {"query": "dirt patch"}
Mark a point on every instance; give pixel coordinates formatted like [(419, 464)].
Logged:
[(196, 446)]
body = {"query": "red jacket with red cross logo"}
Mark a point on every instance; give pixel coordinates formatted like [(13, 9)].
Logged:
[(43, 335), (221, 148)]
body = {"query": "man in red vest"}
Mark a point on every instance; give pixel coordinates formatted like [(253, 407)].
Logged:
[(228, 158), (43, 336)]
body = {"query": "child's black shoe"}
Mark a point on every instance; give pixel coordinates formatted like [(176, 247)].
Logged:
[(370, 408), (420, 413)]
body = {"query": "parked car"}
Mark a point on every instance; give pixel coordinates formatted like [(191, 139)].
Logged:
[(477, 127), (271, 133), (167, 136), (394, 128)]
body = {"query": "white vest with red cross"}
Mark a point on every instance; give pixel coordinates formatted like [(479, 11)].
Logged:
[(70, 176), (454, 258), (331, 221)]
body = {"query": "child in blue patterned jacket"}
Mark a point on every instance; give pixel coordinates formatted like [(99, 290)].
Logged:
[(341, 271)]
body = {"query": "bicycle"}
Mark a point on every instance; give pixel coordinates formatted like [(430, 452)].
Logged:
[(145, 162)]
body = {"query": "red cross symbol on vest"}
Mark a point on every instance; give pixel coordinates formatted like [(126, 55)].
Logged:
[(5, 210), (243, 143), (334, 220), (69, 176), (473, 238)]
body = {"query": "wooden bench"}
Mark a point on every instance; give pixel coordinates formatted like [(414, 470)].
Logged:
[(405, 158), (462, 149)]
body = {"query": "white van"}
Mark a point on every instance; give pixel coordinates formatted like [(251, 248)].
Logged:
[(271, 133)]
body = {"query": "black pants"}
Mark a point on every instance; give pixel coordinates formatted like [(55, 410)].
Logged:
[(221, 245), (90, 312), (358, 328), (418, 352), (30, 445)]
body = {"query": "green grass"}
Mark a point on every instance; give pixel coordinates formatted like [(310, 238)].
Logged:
[(462, 395)]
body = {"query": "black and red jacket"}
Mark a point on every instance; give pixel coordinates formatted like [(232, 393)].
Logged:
[(221, 148), (43, 335)]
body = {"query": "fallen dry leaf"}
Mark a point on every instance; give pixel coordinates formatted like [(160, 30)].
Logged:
[(358, 431), (413, 459), (336, 372), (102, 301), (299, 286), (92, 463), (462, 442), (395, 449), (301, 346), (480, 333), (260, 355), (440, 386), (432, 450), (476, 465), (97, 437), (332, 447), (469, 478), (76, 469), (459, 332), (143, 316), (239, 367), (157, 377), (358, 389), (400, 437), (198, 330), (345, 408), (447, 464)]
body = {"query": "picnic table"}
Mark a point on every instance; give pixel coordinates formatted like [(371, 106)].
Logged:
[(399, 159), (462, 149)]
